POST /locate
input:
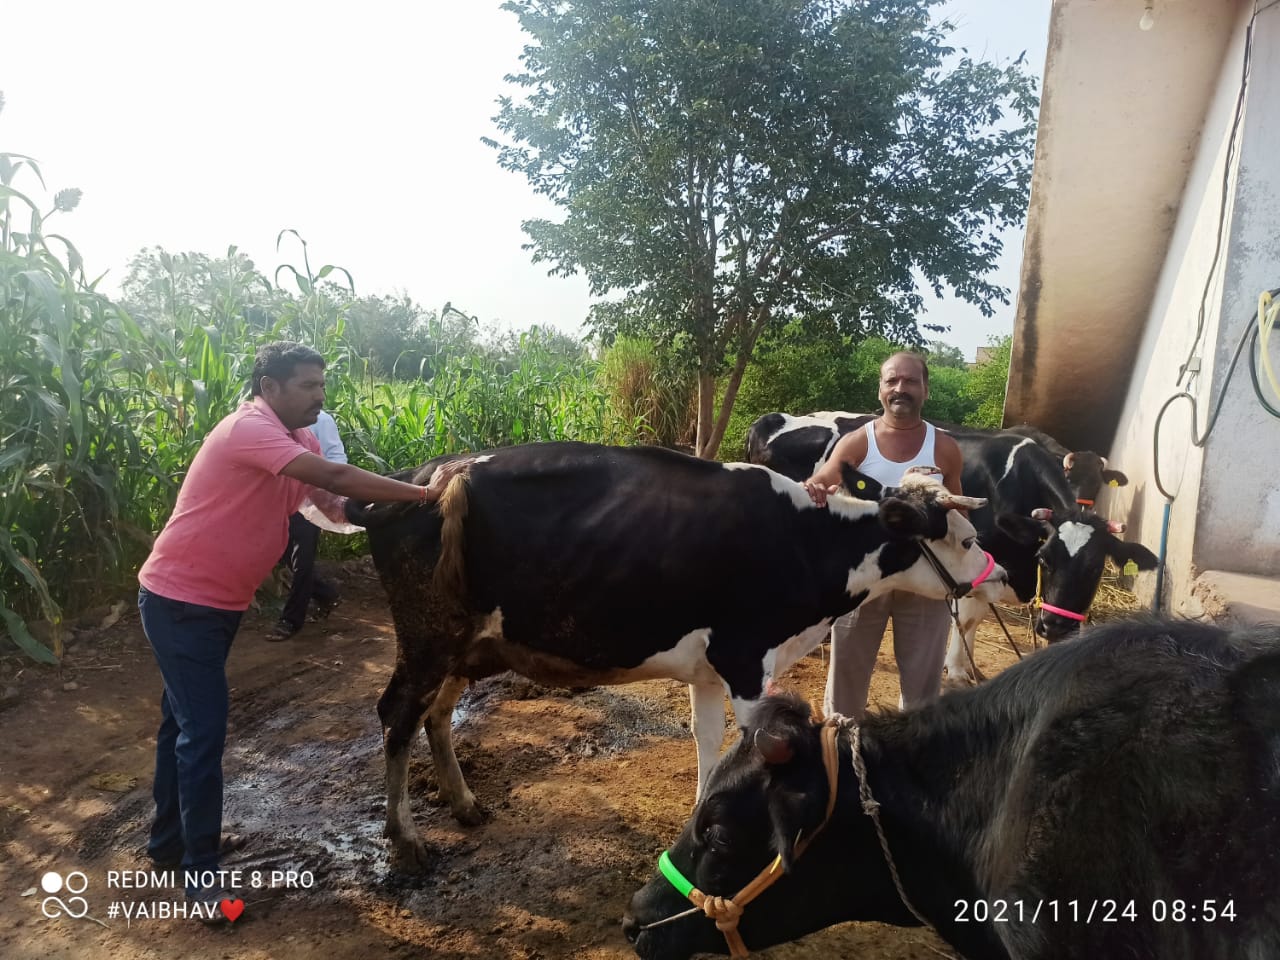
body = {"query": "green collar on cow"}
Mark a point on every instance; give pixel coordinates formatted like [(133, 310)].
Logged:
[(673, 875), (726, 912)]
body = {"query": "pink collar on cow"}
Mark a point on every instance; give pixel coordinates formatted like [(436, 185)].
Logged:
[(991, 565), (1070, 615)]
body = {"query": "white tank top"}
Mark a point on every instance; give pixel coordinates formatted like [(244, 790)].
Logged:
[(887, 472)]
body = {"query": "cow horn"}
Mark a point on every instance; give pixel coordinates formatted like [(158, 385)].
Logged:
[(953, 501), (1104, 462), (1041, 513), (773, 749), (1115, 526), (1068, 461)]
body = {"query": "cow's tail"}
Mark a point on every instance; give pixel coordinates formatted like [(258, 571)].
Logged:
[(450, 576)]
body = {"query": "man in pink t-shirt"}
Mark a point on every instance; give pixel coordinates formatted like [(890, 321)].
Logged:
[(228, 529)]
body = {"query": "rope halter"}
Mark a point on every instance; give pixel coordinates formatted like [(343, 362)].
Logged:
[(1060, 611), (727, 911), (957, 590)]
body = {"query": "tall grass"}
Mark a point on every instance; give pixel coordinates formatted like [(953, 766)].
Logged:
[(650, 392)]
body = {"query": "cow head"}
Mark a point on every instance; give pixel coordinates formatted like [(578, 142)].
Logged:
[(1087, 473), (767, 793), (921, 511), (1071, 549)]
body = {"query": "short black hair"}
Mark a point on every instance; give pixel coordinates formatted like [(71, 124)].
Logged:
[(278, 360), (918, 357)]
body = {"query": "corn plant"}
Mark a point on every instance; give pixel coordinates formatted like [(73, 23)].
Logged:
[(60, 424)]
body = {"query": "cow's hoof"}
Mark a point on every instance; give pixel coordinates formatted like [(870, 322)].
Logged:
[(411, 856), (960, 681), (470, 815)]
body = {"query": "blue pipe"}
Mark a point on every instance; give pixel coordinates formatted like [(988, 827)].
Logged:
[(1164, 544)]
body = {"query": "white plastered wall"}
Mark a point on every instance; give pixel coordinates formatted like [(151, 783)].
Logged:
[(1206, 484), (1238, 520)]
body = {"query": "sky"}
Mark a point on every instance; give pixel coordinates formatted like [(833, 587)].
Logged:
[(195, 126)]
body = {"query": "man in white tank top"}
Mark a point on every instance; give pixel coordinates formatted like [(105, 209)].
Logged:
[(884, 450)]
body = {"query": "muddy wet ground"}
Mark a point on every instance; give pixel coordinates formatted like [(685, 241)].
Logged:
[(585, 789)]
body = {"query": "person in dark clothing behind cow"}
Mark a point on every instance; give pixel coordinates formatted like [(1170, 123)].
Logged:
[(227, 531), (884, 450), (300, 554)]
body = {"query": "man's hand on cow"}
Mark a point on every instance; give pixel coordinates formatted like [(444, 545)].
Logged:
[(818, 493), (444, 473)]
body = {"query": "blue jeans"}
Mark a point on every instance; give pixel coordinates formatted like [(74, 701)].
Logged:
[(191, 643)]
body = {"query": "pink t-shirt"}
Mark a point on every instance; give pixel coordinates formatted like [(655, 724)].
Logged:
[(231, 522)]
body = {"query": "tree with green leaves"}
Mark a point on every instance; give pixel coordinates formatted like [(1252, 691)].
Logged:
[(988, 381), (726, 166)]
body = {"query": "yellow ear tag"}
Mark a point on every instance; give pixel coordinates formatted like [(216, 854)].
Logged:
[(1130, 568), (862, 484), (1113, 483)]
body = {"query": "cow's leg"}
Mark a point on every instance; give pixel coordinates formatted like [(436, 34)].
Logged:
[(707, 703), (960, 668), (453, 788), (401, 708)]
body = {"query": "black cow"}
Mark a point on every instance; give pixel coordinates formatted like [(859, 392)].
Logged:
[(1114, 797), (577, 564), (1033, 524)]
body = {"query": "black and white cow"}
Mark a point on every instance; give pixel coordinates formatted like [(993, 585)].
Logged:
[(797, 446), (1087, 472), (1033, 525), (576, 564), (787, 443), (1118, 796)]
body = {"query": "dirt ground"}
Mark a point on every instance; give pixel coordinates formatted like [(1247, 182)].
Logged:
[(585, 789)]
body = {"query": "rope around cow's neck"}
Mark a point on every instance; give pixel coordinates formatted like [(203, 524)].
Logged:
[(871, 807)]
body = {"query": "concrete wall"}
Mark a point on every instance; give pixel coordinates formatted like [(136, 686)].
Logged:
[(1238, 527), (1121, 118), (1226, 511)]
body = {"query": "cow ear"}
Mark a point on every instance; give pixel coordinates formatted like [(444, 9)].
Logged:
[(903, 518), (774, 749), (859, 484), (1123, 553), (1114, 478), (1024, 530)]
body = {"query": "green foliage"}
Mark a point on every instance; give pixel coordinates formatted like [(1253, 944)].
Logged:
[(101, 412), (159, 285), (949, 401), (731, 166), (987, 384), (944, 355), (61, 421), (402, 340), (649, 390), (526, 389), (802, 372)]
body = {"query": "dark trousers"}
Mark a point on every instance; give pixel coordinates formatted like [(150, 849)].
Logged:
[(300, 555), (191, 643)]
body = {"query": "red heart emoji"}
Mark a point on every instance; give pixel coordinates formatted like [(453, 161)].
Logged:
[(231, 909)]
